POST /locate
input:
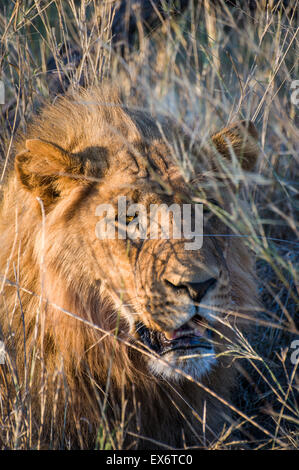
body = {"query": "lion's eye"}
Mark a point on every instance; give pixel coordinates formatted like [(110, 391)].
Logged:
[(214, 202), (207, 207), (129, 218)]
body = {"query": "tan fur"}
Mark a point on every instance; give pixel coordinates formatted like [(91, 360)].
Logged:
[(78, 153)]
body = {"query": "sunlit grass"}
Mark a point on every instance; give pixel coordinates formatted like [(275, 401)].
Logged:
[(203, 69)]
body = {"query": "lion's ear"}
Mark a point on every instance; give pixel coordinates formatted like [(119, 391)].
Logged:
[(44, 167), (241, 139)]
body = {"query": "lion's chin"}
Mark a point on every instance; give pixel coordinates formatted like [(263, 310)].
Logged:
[(184, 353), (180, 367)]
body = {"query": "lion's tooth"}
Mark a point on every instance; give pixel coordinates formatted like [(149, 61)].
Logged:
[(198, 328), (169, 335), (199, 331)]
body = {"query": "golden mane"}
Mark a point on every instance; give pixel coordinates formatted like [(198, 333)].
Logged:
[(72, 374)]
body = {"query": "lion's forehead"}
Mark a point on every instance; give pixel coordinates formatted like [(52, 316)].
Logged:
[(139, 159), (128, 175)]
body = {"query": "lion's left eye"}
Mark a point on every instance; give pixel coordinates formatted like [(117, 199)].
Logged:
[(130, 218)]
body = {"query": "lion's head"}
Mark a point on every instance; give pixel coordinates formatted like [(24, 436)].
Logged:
[(164, 300)]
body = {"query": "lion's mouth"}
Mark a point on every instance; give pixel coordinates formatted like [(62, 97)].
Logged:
[(194, 334)]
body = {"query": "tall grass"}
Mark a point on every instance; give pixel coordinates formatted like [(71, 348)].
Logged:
[(216, 63)]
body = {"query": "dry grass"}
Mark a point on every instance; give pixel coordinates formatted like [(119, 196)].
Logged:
[(204, 69)]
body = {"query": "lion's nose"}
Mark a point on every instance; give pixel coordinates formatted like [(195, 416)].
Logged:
[(197, 290)]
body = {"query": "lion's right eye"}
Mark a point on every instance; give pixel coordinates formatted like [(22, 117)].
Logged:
[(207, 207)]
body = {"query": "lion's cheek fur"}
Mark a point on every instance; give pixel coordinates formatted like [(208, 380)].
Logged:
[(70, 343)]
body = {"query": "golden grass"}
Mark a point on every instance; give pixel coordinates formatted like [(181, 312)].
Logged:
[(205, 68)]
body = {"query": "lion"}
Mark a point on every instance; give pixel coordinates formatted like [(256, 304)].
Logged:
[(123, 338)]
